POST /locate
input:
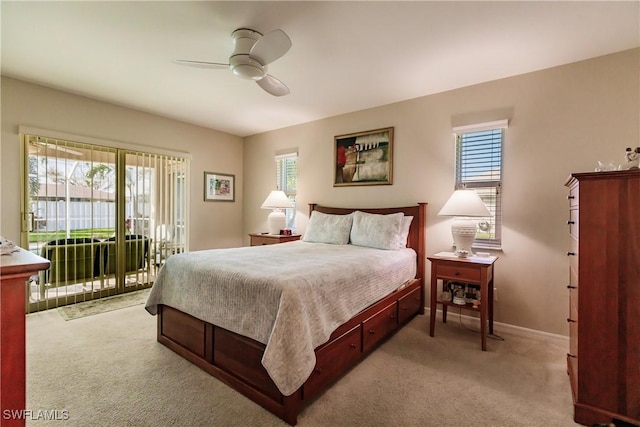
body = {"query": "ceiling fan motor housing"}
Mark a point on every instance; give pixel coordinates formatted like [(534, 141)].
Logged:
[(241, 64)]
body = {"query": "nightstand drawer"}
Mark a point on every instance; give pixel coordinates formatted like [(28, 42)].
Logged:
[(272, 239), (259, 240), (458, 273)]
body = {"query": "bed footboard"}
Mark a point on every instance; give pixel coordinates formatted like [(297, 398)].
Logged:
[(235, 360)]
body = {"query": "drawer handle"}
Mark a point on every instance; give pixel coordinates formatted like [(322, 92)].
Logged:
[(571, 321), (571, 222), (393, 316), (571, 197), (372, 332), (571, 287), (571, 254), (572, 356), (353, 346)]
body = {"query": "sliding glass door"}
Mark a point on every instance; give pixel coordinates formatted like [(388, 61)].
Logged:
[(106, 218)]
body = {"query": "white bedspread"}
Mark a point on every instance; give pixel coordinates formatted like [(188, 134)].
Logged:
[(289, 296)]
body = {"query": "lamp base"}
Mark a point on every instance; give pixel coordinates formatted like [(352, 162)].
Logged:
[(463, 232), (277, 221)]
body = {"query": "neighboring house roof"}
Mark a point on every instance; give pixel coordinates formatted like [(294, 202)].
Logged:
[(59, 191)]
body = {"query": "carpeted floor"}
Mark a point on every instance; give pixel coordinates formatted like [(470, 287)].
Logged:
[(108, 370), (97, 306)]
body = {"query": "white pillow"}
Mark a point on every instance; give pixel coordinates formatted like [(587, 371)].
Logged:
[(327, 228), (375, 230), (403, 235)]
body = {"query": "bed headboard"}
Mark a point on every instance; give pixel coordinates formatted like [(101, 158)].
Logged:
[(416, 239)]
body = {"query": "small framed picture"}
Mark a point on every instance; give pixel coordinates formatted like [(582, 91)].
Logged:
[(219, 187)]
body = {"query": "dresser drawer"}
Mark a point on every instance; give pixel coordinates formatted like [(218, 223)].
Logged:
[(573, 223), (573, 338), (458, 273), (572, 254), (378, 326), (573, 196), (573, 304), (333, 360)]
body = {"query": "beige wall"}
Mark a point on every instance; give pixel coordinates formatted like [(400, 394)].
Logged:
[(212, 224), (562, 120)]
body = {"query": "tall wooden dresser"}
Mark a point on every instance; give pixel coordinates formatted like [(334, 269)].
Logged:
[(604, 296)]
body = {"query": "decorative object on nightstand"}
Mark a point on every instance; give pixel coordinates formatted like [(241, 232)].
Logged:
[(277, 200), (461, 205)]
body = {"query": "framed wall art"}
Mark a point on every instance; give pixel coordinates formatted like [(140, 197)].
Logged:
[(364, 158), (219, 187)]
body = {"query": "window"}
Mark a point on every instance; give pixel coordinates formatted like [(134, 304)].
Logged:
[(479, 167), (286, 180)]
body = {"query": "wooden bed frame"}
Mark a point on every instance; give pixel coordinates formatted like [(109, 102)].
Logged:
[(236, 360)]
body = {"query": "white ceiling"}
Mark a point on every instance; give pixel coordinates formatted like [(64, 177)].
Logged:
[(346, 56)]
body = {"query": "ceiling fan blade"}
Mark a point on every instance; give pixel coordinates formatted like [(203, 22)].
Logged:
[(200, 64), (274, 86), (270, 47)]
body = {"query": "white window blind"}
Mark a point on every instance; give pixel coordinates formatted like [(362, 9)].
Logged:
[(286, 180), (287, 173), (479, 167)]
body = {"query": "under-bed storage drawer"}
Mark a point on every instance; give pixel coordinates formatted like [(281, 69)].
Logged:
[(409, 305), (333, 360), (183, 329), (379, 326), (242, 356)]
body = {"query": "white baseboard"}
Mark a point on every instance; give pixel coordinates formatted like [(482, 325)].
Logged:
[(512, 329)]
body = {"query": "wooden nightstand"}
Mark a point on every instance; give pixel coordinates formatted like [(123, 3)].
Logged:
[(258, 239), (475, 270)]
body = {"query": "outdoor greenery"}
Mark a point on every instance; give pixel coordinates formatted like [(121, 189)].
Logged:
[(45, 236)]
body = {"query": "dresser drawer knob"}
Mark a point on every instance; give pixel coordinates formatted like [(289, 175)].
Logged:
[(571, 321), (571, 254), (372, 332), (571, 355), (571, 197), (571, 222), (571, 287), (353, 346)]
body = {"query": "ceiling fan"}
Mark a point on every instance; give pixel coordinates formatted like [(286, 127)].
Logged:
[(253, 52)]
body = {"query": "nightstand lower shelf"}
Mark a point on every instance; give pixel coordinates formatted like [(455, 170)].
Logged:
[(447, 304)]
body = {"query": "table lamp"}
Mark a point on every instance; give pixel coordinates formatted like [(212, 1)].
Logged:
[(277, 201), (461, 205)]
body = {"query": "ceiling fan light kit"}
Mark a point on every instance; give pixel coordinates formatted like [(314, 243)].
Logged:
[(247, 68), (252, 52)]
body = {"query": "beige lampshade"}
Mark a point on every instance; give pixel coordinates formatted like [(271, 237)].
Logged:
[(276, 200), (464, 203)]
